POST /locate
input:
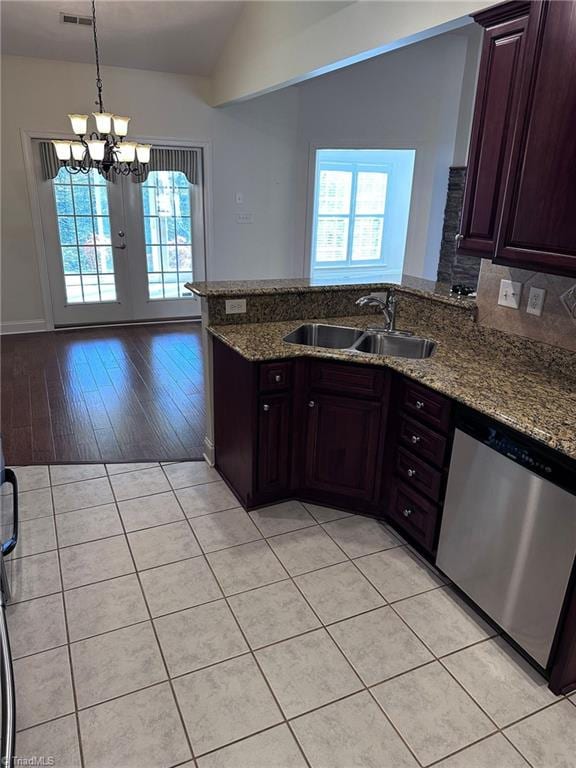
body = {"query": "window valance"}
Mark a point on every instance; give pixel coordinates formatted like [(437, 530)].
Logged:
[(182, 159)]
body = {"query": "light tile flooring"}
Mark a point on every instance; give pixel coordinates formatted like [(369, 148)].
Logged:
[(155, 624)]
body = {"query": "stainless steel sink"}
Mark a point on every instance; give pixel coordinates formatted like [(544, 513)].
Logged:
[(318, 335), (355, 340), (397, 346)]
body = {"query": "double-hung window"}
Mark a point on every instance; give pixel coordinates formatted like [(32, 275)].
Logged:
[(361, 208)]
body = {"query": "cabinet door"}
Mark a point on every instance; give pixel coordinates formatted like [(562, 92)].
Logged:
[(495, 113), (273, 444), (342, 445), (539, 216)]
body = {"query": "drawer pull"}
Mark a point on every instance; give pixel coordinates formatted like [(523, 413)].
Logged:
[(311, 404), (266, 408), (407, 512), (419, 404), (411, 472), (278, 378), (415, 439)]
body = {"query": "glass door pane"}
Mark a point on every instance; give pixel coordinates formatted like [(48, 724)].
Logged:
[(83, 225), (165, 219), (83, 219), (167, 234)]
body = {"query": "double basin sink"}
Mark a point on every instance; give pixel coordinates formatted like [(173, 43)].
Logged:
[(373, 342)]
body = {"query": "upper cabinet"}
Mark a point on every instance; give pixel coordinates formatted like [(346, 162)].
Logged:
[(495, 111), (539, 214), (520, 199)]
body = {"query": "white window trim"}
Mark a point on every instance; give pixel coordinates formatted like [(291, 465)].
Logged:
[(313, 147), (355, 168)]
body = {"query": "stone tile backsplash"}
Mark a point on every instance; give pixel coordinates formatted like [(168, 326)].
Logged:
[(555, 326), (455, 268)]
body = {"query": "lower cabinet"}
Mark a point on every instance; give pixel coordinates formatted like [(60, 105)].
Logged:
[(274, 427), (341, 434), (341, 445)]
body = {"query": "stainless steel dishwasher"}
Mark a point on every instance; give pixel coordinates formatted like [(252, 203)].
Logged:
[(508, 533)]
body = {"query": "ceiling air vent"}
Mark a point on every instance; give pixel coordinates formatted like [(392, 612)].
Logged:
[(82, 21)]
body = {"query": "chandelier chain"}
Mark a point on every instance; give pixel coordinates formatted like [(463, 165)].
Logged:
[(96, 52)]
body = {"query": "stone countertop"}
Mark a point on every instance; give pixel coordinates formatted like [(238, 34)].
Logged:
[(539, 403), (231, 288)]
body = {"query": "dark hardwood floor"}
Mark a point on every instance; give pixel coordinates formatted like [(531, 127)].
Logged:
[(120, 393)]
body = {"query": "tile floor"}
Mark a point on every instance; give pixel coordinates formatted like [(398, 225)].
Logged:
[(155, 624)]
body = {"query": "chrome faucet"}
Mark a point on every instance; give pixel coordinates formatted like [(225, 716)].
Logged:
[(388, 308)]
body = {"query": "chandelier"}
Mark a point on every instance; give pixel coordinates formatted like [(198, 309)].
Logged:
[(104, 149)]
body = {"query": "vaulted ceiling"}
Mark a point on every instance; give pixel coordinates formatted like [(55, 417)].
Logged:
[(183, 36)]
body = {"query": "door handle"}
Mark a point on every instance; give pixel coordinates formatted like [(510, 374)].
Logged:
[(120, 247), (7, 546)]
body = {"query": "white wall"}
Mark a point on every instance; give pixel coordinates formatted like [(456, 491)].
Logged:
[(406, 99), (410, 97), (275, 44), (253, 152)]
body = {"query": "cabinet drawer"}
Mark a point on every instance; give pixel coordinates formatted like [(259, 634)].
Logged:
[(347, 379), (423, 441), (427, 405), (419, 475), (275, 376), (414, 515)]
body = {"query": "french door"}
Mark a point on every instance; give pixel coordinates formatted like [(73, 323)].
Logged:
[(120, 251)]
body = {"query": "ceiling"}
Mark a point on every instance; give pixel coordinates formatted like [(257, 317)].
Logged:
[(184, 36)]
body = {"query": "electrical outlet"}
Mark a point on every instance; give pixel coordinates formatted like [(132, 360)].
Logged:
[(535, 301), (235, 306), (509, 295), (244, 218)]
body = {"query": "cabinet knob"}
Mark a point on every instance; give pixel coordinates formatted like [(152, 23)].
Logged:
[(415, 439), (419, 404), (278, 377), (458, 238), (266, 407), (411, 472), (311, 404), (406, 512)]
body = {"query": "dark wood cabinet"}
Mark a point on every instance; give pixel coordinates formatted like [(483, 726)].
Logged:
[(342, 436), (495, 113), (274, 429), (519, 202), (416, 462), (539, 214)]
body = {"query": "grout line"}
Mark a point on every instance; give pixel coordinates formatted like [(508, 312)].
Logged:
[(250, 650), (159, 646), (69, 650)]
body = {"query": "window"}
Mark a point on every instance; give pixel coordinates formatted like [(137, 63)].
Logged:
[(84, 232), (361, 207), (167, 234)]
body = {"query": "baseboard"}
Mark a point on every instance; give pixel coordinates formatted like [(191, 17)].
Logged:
[(22, 326), (209, 453)]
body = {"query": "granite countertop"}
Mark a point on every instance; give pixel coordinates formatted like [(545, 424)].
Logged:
[(231, 288), (540, 403)]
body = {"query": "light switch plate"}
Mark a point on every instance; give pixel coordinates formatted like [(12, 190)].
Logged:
[(536, 301), (510, 292), (235, 306)]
